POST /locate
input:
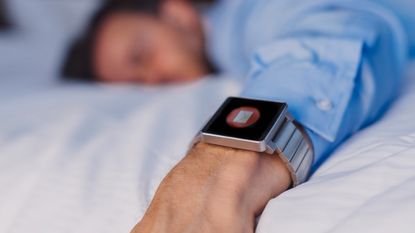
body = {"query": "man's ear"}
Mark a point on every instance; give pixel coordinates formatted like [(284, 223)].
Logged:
[(181, 15)]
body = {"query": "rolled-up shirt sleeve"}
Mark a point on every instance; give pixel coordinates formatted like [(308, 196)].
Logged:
[(338, 65)]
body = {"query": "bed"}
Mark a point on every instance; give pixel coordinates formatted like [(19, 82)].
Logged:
[(88, 158)]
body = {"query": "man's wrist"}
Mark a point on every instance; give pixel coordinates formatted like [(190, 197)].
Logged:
[(254, 178)]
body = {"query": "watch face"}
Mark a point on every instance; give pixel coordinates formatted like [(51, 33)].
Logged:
[(244, 118)]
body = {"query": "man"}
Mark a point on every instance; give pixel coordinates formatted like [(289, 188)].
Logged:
[(338, 65)]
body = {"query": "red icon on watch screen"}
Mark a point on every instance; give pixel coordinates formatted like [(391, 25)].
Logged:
[(243, 117)]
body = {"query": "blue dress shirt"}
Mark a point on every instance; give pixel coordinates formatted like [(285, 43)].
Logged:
[(337, 63)]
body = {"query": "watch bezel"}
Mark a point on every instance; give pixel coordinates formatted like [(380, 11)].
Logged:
[(264, 145)]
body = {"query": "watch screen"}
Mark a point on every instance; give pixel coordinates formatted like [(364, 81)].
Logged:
[(244, 118)]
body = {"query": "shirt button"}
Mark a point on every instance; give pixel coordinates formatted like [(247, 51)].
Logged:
[(324, 105)]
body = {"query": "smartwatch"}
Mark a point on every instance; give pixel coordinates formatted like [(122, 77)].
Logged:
[(261, 126)]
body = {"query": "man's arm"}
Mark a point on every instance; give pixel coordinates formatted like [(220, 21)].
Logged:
[(338, 66), (215, 189)]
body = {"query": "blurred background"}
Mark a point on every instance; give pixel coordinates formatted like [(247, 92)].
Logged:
[(35, 34)]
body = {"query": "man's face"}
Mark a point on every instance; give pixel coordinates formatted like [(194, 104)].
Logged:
[(141, 48)]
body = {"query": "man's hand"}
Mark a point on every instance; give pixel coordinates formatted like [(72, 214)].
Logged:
[(215, 189)]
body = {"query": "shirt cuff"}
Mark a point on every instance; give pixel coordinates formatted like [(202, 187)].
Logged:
[(315, 76)]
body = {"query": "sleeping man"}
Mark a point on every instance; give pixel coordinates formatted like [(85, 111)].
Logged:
[(337, 65)]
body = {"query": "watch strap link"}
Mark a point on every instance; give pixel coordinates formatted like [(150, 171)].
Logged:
[(294, 147)]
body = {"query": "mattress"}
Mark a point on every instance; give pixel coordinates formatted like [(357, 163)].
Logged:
[(88, 158)]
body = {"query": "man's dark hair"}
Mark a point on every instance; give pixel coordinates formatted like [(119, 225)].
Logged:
[(78, 64), (4, 22)]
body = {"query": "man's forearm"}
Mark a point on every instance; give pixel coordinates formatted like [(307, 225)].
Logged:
[(215, 189)]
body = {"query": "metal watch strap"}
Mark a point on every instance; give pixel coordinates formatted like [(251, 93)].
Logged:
[(295, 149)]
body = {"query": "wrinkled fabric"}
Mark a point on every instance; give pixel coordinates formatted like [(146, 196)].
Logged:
[(338, 64)]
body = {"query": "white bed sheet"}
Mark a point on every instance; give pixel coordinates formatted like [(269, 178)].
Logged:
[(80, 158), (83, 158), (367, 185)]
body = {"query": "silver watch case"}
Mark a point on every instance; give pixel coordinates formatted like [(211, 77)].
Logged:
[(285, 138), (265, 145)]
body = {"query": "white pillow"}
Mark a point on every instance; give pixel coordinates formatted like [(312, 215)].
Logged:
[(51, 16), (34, 51)]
